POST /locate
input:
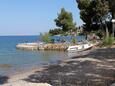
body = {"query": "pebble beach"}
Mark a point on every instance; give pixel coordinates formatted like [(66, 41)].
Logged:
[(95, 68)]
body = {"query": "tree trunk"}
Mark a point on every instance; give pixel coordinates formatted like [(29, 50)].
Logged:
[(107, 31), (113, 15), (113, 24), (113, 29)]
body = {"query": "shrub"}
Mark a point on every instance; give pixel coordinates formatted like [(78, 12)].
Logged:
[(74, 41), (46, 38), (108, 41)]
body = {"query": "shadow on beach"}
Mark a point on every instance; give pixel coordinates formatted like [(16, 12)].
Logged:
[(102, 54), (108, 53), (97, 68), (3, 79)]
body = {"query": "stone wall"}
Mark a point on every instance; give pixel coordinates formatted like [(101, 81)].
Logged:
[(33, 46), (56, 47)]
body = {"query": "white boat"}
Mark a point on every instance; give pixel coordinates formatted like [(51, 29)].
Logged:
[(80, 47)]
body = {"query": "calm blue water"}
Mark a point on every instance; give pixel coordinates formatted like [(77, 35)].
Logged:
[(12, 60)]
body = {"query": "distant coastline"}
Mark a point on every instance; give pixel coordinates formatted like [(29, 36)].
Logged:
[(17, 35)]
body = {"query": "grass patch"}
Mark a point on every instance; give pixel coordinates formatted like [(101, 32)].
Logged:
[(109, 41)]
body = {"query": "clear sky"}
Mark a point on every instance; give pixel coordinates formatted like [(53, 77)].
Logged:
[(30, 17)]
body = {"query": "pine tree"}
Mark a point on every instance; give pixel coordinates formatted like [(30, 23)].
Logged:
[(65, 21)]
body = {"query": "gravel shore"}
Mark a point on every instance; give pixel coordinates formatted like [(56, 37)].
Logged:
[(96, 68)]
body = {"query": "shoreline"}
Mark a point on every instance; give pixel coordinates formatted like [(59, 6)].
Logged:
[(24, 74), (16, 79), (41, 67)]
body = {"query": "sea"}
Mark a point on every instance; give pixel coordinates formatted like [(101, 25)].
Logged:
[(13, 60)]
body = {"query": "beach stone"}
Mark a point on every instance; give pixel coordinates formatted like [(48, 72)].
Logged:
[(24, 83), (113, 84), (95, 69)]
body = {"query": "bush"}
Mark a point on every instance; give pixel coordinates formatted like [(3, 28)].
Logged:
[(46, 38), (74, 41), (108, 41)]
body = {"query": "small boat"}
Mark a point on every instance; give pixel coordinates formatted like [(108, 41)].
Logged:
[(81, 47)]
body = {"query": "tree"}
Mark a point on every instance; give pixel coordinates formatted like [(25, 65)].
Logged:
[(112, 11), (92, 12), (85, 12), (112, 7), (65, 21), (55, 31)]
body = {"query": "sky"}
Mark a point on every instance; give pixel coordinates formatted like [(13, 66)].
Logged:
[(30, 17)]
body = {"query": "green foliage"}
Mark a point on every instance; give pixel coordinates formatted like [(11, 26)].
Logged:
[(65, 21), (46, 37), (108, 41), (56, 31), (74, 41), (99, 33), (112, 7), (92, 11)]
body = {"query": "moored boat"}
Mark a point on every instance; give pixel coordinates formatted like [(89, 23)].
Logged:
[(80, 47)]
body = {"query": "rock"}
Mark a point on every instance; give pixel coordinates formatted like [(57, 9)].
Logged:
[(113, 84)]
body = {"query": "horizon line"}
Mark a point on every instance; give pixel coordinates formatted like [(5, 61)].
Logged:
[(21, 35)]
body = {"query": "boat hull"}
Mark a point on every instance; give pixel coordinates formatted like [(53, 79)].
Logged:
[(78, 48)]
